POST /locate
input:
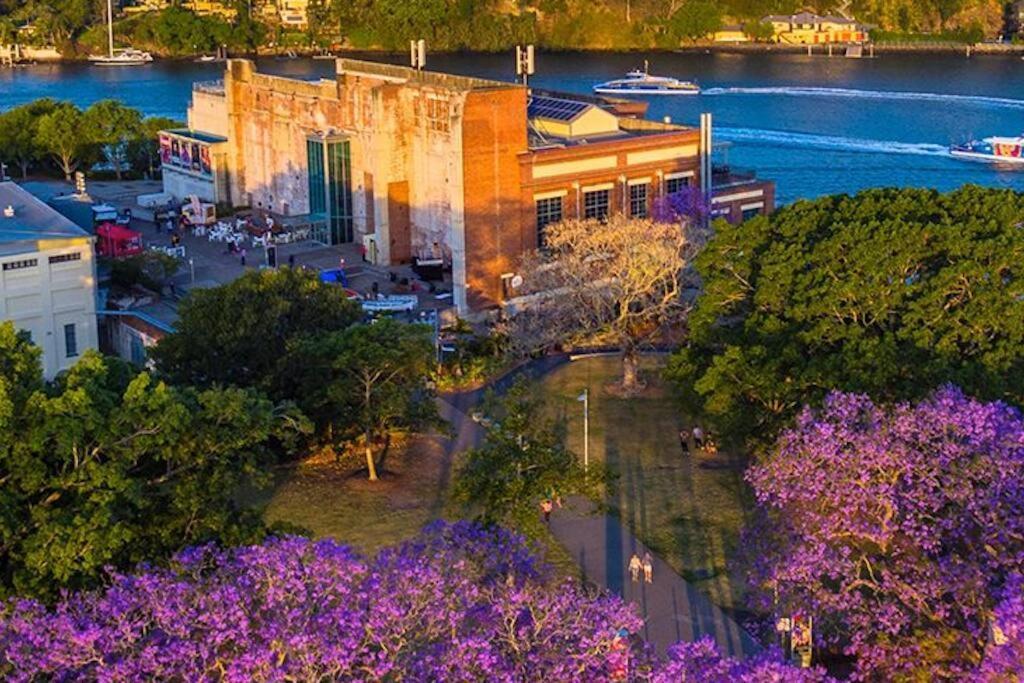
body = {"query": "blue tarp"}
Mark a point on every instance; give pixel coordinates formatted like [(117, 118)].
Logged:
[(336, 275)]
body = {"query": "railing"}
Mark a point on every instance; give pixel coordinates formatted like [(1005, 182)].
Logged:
[(209, 87), (727, 176)]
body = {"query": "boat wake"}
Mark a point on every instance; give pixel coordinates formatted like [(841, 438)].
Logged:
[(780, 138), (970, 100)]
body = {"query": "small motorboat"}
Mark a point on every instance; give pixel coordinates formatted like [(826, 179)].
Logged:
[(639, 82), (993, 150)]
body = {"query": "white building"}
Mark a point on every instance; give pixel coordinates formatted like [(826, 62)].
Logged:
[(47, 278)]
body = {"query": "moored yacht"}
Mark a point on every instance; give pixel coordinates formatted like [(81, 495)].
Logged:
[(126, 57), (994, 150), (639, 82)]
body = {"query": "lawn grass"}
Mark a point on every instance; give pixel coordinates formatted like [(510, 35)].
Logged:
[(690, 509), (325, 499), (330, 499)]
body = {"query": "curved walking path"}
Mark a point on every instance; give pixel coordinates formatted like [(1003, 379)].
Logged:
[(673, 610)]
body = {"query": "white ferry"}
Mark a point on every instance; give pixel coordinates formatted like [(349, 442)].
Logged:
[(994, 150), (639, 82)]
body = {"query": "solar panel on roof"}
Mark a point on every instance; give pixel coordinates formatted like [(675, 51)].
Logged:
[(555, 108)]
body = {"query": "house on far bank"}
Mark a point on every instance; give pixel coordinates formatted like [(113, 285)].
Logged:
[(807, 28), (47, 278)]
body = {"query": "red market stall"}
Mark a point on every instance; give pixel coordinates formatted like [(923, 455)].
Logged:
[(115, 241)]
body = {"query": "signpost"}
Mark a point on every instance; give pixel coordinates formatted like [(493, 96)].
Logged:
[(585, 398)]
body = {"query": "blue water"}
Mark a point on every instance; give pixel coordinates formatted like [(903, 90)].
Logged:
[(815, 125)]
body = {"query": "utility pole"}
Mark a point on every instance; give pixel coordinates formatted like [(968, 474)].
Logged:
[(524, 63)]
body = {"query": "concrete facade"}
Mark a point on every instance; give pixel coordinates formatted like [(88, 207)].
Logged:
[(47, 278), (440, 165)]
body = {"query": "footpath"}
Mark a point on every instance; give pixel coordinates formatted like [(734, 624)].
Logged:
[(673, 610)]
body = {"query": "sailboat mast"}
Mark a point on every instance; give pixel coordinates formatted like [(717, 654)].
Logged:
[(110, 28)]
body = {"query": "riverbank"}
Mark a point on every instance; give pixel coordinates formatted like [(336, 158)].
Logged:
[(51, 55)]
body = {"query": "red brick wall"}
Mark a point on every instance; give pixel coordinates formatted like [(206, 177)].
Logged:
[(493, 136)]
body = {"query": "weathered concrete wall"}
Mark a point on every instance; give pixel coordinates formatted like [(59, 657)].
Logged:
[(208, 112)]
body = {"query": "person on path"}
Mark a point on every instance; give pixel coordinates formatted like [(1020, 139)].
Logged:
[(291, 260), (648, 568), (546, 507), (698, 437), (634, 568), (684, 440), (242, 254)]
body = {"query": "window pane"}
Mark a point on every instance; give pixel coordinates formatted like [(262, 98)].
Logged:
[(70, 341), (548, 211), (638, 201), (673, 185), (595, 204)]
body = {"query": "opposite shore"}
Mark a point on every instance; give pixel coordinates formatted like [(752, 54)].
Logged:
[(24, 55)]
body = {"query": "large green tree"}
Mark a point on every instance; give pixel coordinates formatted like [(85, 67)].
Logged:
[(522, 460), (64, 135), (890, 293), (19, 133), (381, 371), (239, 334), (113, 127), (106, 467)]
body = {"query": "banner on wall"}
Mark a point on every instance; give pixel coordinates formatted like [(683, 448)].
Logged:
[(186, 154)]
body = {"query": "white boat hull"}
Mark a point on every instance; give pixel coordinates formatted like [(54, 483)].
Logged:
[(986, 158), (643, 91)]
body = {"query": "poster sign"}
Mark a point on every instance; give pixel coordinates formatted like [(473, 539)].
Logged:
[(186, 154)]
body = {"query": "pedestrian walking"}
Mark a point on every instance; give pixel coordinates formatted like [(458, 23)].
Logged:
[(291, 260), (634, 568), (684, 440), (648, 568), (698, 437), (546, 508), (242, 256)]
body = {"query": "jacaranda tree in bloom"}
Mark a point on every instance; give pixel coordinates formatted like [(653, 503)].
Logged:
[(897, 528), (1004, 656), (459, 603)]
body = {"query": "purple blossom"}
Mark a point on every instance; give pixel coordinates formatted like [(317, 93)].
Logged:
[(687, 205), (459, 603), (895, 527)]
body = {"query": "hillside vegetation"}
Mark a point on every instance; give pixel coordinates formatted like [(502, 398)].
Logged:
[(481, 24)]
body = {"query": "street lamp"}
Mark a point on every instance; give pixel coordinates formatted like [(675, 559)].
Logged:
[(585, 399)]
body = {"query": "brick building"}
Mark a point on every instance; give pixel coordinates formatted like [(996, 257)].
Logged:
[(416, 164)]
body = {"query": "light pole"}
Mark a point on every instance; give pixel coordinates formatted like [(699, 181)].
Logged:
[(585, 398)]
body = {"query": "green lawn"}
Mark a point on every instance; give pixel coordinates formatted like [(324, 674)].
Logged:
[(690, 509), (336, 500)]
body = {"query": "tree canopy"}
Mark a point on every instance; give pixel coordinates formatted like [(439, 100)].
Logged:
[(899, 528), (108, 467), (619, 279), (239, 334), (458, 603), (890, 293), (522, 460)]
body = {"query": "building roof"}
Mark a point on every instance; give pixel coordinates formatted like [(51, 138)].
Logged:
[(33, 220), (555, 108), (197, 135), (808, 18)]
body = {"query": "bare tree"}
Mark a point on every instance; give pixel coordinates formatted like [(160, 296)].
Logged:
[(620, 280)]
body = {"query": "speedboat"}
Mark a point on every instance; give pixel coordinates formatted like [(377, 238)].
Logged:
[(639, 82), (994, 150)]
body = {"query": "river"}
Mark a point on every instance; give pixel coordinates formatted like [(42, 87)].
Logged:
[(816, 125)]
